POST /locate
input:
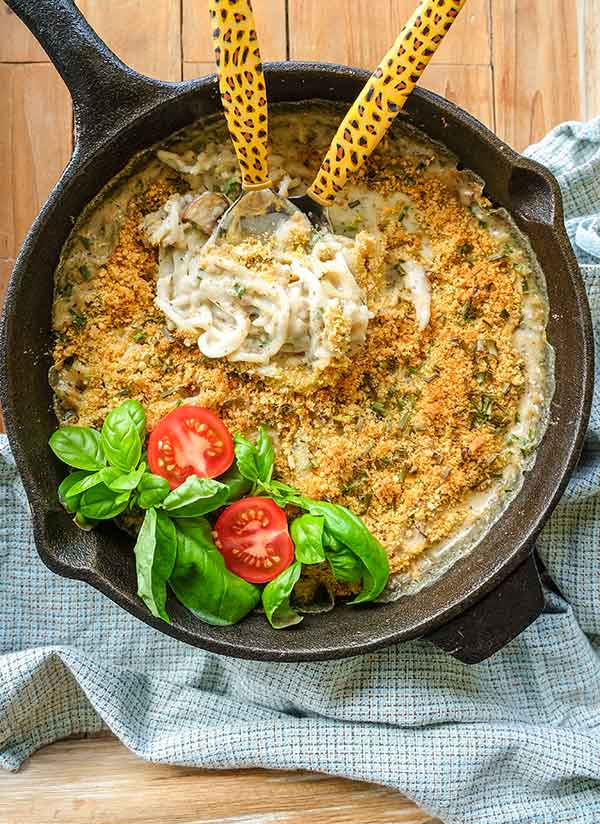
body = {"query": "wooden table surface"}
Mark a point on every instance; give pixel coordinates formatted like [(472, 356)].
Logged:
[(520, 66)]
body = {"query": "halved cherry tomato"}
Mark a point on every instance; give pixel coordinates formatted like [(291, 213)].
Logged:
[(252, 535), (189, 441)]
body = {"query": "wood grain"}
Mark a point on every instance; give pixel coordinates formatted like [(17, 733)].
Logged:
[(17, 44), (270, 18), (536, 73), (5, 270), (35, 145), (191, 71), (360, 32), (146, 36), (98, 780), (590, 60), (468, 86)]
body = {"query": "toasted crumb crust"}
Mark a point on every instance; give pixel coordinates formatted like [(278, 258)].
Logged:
[(401, 431)]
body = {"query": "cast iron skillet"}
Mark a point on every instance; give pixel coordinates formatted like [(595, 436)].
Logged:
[(485, 599)]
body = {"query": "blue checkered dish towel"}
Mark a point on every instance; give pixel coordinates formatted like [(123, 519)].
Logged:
[(514, 739)]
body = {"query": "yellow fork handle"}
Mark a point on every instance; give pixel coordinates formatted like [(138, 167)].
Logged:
[(383, 96), (242, 87)]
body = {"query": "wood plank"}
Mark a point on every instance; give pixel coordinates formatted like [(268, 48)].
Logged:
[(5, 270), (360, 32), (536, 74), (589, 39), (17, 44), (270, 22), (148, 41), (191, 71), (468, 86), (98, 780), (35, 145)]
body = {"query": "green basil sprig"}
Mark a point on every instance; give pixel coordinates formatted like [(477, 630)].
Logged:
[(155, 552), (202, 582), (350, 532)]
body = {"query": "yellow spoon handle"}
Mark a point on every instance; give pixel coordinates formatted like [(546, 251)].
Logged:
[(242, 87), (383, 96)]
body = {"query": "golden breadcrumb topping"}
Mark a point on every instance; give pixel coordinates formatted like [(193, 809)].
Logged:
[(400, 431)]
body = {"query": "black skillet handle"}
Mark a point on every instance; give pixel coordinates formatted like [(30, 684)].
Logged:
[(499, 617), (106, 92)]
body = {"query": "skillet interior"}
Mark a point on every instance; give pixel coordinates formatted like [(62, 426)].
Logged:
[(104, 557)]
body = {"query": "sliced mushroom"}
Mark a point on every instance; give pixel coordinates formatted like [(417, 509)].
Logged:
[(205, 210)]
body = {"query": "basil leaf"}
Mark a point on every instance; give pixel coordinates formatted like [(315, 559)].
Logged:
[(66, 496), (124, 483), (101, 503), (155, 552), (121, 440), (83, 523), (202, 582), (152, 490), (237, 485), (87, 482), (135, 410), (265, 455), (350, 531), (245, 457), (255, 462), (195, 497), (276, 598), (307, 535), (78, 446), (345, 566)]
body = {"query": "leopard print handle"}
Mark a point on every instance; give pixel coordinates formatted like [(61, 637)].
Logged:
[(242, 87), (383, 96)]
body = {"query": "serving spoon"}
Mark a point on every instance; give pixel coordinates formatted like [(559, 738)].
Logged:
[(243, 93)]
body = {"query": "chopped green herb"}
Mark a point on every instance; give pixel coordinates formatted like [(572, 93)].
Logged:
[(391, 364), (379, 409), (85, 242), (85, 271), (487, 412), (465, 249), (231, 186), (409, 180), (125, 392), (140, 336), (525, 284), (406, 406), (504, 314), (79, 320), (402, 213), (354, 483), (470, 312), (239, 290)]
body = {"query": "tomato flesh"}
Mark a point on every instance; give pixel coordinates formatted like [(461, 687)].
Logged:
[(190, 440), (252, 535)]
